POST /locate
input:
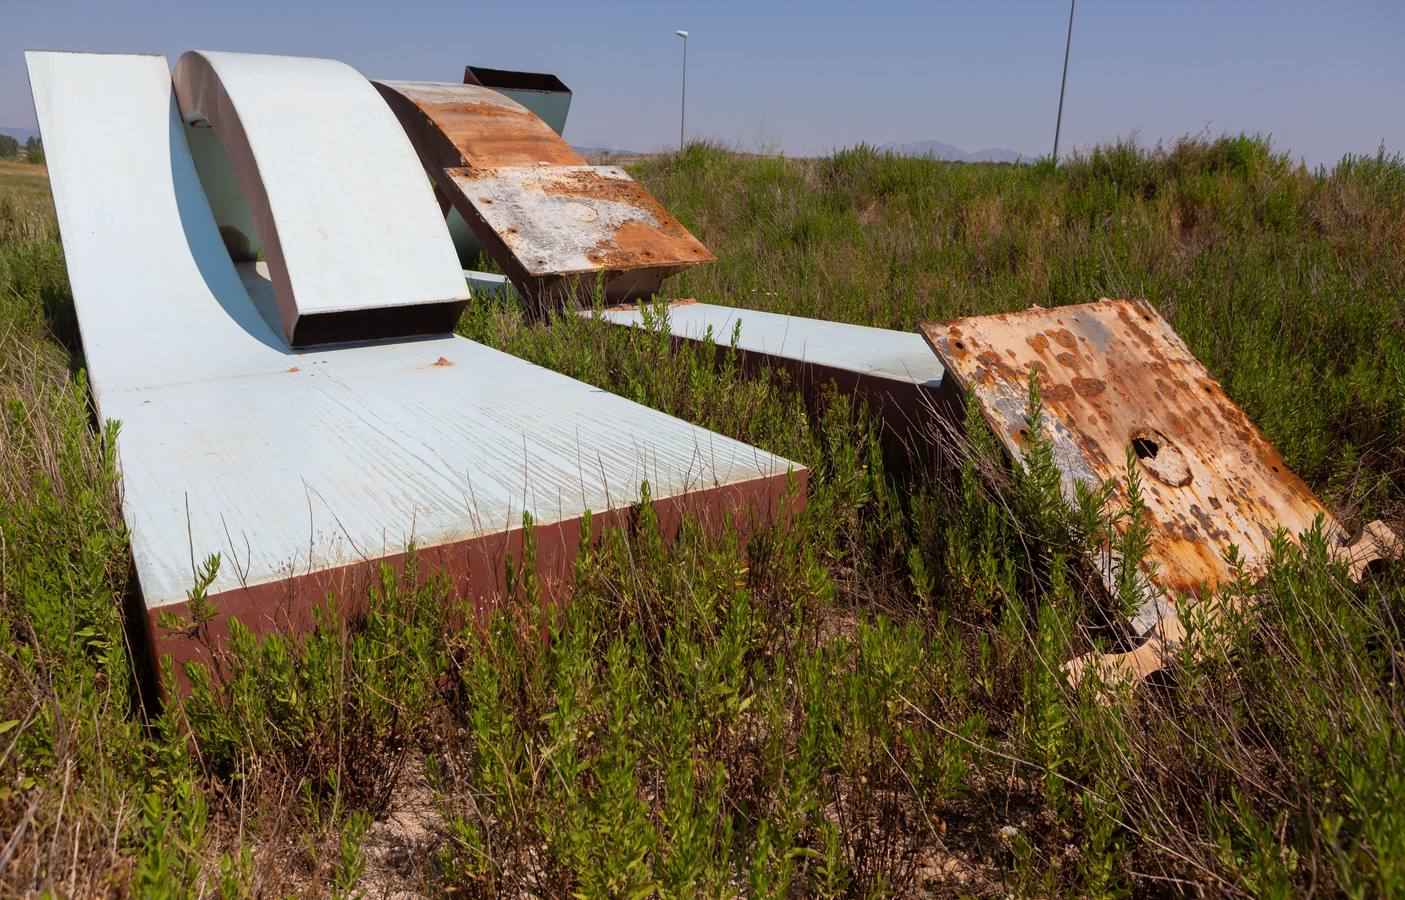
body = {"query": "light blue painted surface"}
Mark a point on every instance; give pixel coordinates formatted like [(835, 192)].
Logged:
[(899, 355), (487, 284), (287, 462)]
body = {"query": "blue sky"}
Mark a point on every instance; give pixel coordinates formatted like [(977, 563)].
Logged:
[(1322, 78)]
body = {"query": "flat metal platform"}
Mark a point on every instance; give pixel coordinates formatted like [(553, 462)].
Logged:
[(894, 372), (302, 468)]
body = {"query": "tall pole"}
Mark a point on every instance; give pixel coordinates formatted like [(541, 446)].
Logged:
[(1068, 43), (683, 106)]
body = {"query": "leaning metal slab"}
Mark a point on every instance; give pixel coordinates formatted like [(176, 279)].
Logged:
[(894, 372), (303, 469), (1114, 375), (554, 224), (544, 96)]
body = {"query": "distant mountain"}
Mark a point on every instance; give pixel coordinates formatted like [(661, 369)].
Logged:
[(929, 149), (601, 151), (938, 150), (19, 134)]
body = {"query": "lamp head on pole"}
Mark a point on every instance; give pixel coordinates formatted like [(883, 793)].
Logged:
[(682, 34)]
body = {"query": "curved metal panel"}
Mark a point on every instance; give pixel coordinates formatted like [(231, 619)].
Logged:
[(355, 243)]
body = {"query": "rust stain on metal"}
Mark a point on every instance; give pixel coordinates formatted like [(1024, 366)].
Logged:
[(1114, 375), (442, 362), (638, 239), (577, 220), (467, 125), (559, 228), (631, 307)]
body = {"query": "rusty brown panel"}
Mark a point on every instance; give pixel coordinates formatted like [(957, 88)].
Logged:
[(572, 220), (467, 125), (559, 228), (1114, 374)]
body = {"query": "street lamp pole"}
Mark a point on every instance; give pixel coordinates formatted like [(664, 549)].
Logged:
[(1068, 44), (683, 106)]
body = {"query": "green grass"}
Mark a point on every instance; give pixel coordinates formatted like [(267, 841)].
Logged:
[(869, 703)]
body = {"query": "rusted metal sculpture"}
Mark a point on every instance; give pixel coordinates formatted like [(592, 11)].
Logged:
[(303, 467), (1113, 375), (561, 229), (304, 470), (543, 93)]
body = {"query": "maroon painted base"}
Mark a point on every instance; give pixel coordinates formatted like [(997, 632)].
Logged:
[(476, 567)]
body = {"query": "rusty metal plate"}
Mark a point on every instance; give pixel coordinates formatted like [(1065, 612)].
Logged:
[(567, 220), (554, 224), (468, 125), (1113, 374), (544, 94)]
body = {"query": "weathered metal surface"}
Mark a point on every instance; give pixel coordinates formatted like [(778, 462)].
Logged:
[(545, 95), (573, 220), (1163, 641), (353, 237), (454, 125), (894, 372), (560, 229), (300, 467), (1114, 375)]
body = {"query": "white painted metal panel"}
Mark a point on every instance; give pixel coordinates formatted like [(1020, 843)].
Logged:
[(156, 296), (357, 226), (288, 461), (487, 284), (897, 355), (362, 449)]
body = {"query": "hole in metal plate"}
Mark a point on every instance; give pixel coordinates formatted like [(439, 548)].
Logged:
[(1161, 458)]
